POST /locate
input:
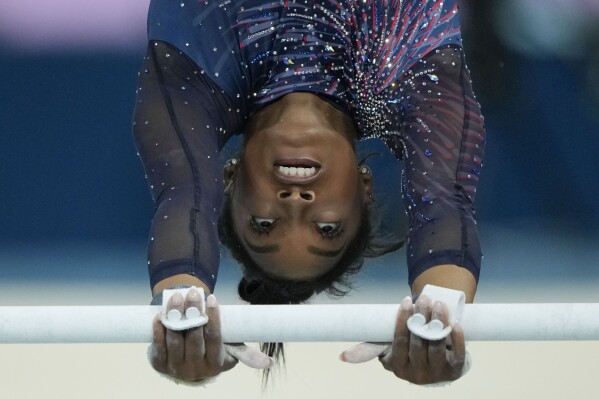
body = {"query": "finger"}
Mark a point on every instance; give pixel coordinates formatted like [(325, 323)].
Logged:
[(457, 356), (194, 338), (215, 354), (418, 347), (175, 306), (158, 354), (251, 357), (440, 312), (364, 352), (401, 335), (175, 340), (436, 349), (194, 303), (423, 306)]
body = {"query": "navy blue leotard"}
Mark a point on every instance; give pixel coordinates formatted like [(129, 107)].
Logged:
[(396, 67)]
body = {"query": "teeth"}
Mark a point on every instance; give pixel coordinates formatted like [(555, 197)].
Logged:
[(295, 171)]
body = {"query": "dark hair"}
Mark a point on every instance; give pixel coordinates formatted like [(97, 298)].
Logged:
[(258, 288)]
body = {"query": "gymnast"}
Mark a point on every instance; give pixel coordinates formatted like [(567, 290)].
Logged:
[(303, 81)]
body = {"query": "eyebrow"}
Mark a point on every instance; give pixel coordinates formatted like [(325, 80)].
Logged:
[(268, 249), (324, 252)]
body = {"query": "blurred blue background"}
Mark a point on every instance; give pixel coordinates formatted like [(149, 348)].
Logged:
[(75, 208)]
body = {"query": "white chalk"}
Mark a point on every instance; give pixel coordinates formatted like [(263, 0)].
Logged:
[(297, 323)]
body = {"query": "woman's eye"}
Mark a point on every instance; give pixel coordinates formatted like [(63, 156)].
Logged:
[(262, 225), (329, 230)]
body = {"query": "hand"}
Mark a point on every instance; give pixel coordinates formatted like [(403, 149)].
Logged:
[(412, 358), (198, 353)]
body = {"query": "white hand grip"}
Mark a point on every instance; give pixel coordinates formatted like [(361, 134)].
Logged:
[(174, 320), (434, 330)]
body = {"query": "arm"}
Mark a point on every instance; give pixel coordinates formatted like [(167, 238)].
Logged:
[(441, 143), (434, 125), (428, 117), (179, 124), (442, 140)]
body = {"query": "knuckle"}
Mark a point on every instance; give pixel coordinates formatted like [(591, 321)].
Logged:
[(400, 373), (157, 357), (454, 375), (436, 374), (213, 372), (158, 365), (419, 379), (417, 355), (187, 375), (174, 339), (172, 370), (456, 363), (417, 342), (456, 371), (215, 361), (211, 335), (400, 339), (436, 352), (188, 372)]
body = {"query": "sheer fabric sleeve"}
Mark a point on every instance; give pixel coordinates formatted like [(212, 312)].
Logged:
[(181, 122), (441, 142)]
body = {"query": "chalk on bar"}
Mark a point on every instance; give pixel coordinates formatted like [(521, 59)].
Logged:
[(174, 320), (434, 330)]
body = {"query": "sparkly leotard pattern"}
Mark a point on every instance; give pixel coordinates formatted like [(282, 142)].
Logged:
[(396, 66)]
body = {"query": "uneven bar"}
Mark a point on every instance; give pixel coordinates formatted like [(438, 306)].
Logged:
[(299, 323)]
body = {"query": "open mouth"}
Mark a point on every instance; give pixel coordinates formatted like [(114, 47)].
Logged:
[(296, 170)]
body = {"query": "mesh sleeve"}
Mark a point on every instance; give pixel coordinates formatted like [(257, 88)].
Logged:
[(181, 122), (441, 141)]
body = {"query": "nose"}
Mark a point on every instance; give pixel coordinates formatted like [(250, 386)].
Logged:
[(296, 194)]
